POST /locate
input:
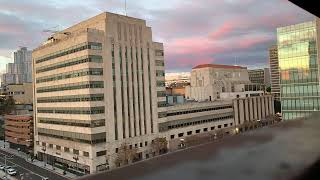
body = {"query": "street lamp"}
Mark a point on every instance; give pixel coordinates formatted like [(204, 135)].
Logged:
[(76, 158), (237, 130), (182, 144), (44, 148)]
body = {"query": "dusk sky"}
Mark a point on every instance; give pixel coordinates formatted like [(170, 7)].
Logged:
[(193, 31)]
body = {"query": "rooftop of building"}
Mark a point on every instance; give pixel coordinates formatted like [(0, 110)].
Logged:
[(222, 66), (281, 151), (189, 104)]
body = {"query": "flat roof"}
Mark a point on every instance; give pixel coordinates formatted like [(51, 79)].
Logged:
[(222, 66), (280, 151)]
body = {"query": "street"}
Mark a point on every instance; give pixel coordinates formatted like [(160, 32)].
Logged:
[(26, 170)]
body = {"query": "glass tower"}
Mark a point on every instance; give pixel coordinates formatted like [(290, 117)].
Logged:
[(298, 64)]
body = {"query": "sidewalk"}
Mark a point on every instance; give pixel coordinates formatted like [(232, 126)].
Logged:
[(37, 162)]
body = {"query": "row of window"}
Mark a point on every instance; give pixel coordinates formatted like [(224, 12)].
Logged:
[(77, 110), (199, 130), (74, 98), (161, 94), (65, 149), (73, 86), (73, 122), (161, 84), (178, 124), (159, 63), (159, 52), (73, 49), (70, 62), (162, 114), (160, 73), (72, 136), (162, 104), (135, 145), (73, 74), (198, 110)]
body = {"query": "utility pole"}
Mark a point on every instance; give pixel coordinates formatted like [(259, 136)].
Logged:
[(5, 164)]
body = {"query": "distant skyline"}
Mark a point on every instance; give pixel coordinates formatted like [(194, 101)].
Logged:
[(193, 32)]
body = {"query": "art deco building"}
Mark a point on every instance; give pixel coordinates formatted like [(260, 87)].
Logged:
[(98, 84)]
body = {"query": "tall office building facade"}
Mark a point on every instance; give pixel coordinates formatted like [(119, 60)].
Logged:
[(97, 86), (20, 71), (274, 72), (299, 75)]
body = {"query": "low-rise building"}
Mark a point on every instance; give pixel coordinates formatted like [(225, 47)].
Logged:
[(19, 132), (197, 118), (208, 81), (21, 93)]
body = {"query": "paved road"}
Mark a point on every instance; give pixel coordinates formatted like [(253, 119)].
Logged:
[(29, 171)]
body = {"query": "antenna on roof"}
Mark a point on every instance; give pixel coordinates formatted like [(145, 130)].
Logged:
[(125, 6)]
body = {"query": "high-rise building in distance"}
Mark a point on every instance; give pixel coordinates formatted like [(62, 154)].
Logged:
[(98, 84), (274, 71), (20, 71), (299, 62)]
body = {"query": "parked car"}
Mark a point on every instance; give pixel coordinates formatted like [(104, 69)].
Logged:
[(1, 167), (8, 167), (12, 172)]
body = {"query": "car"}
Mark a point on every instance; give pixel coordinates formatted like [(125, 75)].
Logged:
[(12, 172), (1, 167), (8, 167)]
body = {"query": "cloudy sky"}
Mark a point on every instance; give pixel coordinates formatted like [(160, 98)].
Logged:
[(193, 31)]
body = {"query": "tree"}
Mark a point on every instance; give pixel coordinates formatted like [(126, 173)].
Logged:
[(125, 154), (159, 145), (7, 105), (268, 89)]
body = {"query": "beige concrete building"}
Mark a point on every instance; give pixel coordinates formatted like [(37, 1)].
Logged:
[(21, 93), (208, 81), (274, 71), (255, 108), (98, 84), (199, 118)]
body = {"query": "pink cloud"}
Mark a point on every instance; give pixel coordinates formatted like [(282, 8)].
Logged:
[(253, 41), (223, 30)]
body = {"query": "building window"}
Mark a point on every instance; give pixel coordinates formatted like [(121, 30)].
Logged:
[(205, 129), (219, 126), (37, 142), (130, 146), (117, 150), (231, 124), (136, 145), (172, 136), (86, 154), (66, 149), (50, 146), (189, 132), (58, 147), (146, 143), (44, 144), (212, 128), (75, 151), (225, 125), (180, 134), (141, 145), (101, 153), (198, 131)]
